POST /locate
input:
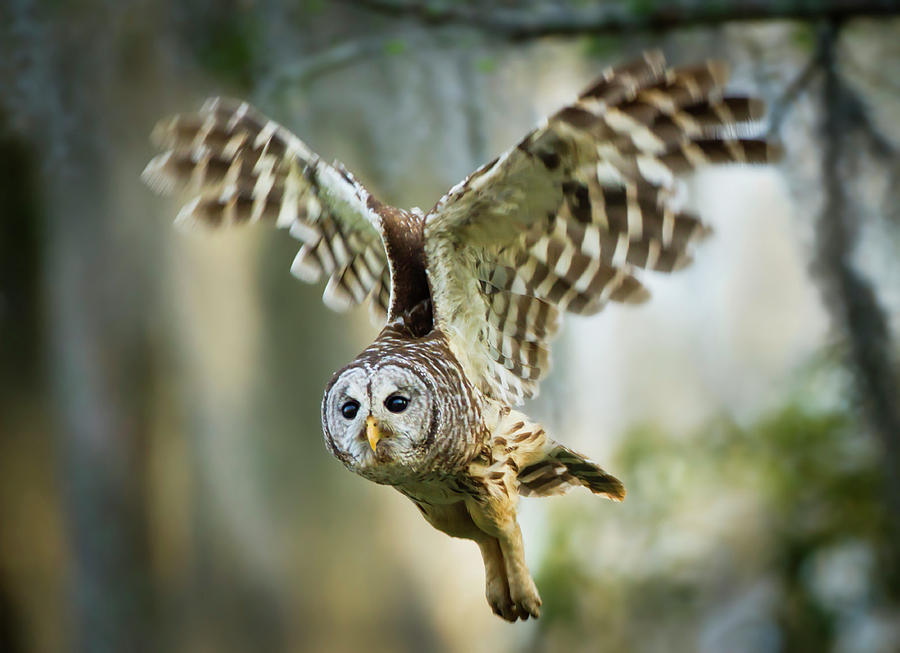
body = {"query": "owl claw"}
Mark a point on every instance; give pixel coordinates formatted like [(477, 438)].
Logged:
[(501, 605), (527, 600), (506, 610), (529, 608), (512, 611)]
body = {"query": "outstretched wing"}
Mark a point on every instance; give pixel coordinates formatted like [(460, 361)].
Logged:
[(562, 221), (242, 167)]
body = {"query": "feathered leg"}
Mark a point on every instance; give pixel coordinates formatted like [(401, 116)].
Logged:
[(495, 581), (496, 516), (455, 520)]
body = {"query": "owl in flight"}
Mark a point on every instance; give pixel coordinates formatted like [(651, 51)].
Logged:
[(471, 292)]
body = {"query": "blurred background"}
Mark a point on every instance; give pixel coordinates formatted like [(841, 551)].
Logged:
[(163, 480)]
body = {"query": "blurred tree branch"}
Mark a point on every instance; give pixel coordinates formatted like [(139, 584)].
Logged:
[(95, 353), (784, 103), (849, 296), (302, 71), (305, 70), (556, 20)]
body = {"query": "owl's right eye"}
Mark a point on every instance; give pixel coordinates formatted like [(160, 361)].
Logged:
[(349, 409)]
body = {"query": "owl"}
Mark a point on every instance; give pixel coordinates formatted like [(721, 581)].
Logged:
[(470, 293)]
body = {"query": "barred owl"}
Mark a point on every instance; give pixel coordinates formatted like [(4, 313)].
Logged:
[(471, 292)]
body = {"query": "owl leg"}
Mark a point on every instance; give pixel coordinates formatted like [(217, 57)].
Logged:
[(455, 520), (496, 585), (496, 516)]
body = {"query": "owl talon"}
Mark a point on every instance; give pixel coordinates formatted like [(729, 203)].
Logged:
[(505, 611), (527, 600), (529, 609), (512, 611), (501, 604)]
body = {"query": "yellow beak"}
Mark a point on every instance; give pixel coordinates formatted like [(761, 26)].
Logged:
[(372, 432)]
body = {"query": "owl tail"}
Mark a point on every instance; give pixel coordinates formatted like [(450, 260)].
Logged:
[(561, 469)]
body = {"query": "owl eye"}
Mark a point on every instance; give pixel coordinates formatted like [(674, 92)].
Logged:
[(349, 409), (396, 403)]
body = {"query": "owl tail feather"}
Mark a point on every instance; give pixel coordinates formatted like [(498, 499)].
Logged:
[(561, 469)]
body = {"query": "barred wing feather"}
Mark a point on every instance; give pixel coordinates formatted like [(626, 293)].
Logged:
[(562, 221), (241, 167)]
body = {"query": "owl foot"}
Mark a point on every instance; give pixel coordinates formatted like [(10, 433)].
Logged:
[(503, 607), (512, 607), (525, 596), (510, 589), (496, 586)]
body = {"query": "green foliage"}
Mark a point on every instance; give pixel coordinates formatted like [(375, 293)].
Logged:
[(776, 509), (395, 46), (601, 46), (313, 7), (804, 37), (226, 47), (560, 572), (486, 65), (641, 7)]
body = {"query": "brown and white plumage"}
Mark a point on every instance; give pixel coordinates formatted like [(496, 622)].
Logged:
[(242, 167), (473, 290), (563, 220)]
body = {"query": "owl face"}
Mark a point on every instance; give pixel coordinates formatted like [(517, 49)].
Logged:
[(379, 421)]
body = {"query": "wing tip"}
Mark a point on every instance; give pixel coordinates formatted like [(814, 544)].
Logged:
[(187, 219), (157, 177), (161, 134), (655, 58), (211, 103)]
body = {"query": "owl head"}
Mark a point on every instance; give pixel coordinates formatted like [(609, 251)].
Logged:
[(399, 411), (380, 420)]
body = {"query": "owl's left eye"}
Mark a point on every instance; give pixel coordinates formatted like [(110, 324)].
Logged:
[(396, 403), (349, 409)]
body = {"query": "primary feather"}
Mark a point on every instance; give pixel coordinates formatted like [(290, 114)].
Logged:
[(562, 221), (241, 167)]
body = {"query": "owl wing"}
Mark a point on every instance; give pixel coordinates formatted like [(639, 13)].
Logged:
[(242, 167), (562, 221)]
